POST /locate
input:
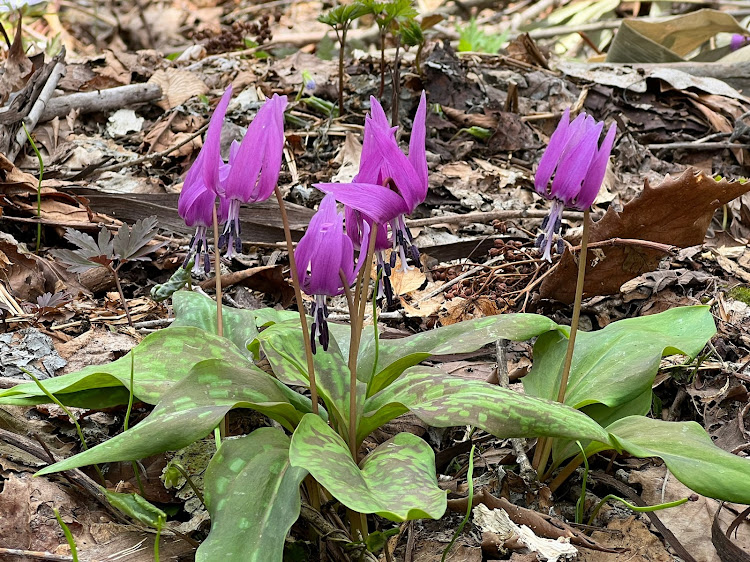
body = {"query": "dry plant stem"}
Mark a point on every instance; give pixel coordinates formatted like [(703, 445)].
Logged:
[(544, 446), (300, 303), (122, 295), (352, 372), (563, 475)]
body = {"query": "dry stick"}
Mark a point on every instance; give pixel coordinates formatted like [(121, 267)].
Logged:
[(485, 216), (33, 554), (300, 303), (101, 100), (122, 295), (37, 109), (544, 445)]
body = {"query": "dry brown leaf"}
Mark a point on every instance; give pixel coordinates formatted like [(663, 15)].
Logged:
[(17, 67), (178, 86), (690, 522), (676, 212)]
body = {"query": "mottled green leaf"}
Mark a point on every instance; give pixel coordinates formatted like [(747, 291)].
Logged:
[(618, 363), (442, 400), (284, 348), (396, 480), (199, 311), (395, 356), (161, 359), (190, 410), (604, 416), (689, 454), (252, 494)]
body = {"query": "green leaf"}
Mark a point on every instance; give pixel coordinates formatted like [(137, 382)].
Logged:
[(442, 400), (285, 350), (689, 453), (161, 359), (396, 481), (252, 494), (617, 364), (136, 507), (395, 356), (190, 411), (199, 311)]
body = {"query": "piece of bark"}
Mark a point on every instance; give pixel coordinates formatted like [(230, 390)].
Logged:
[(97, 280), (676, 212), (101, 100)]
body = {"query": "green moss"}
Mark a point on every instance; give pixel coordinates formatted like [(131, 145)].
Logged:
[(740, 293)]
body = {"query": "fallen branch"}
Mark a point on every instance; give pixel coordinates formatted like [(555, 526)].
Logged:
[(101, 100), (487, 216)]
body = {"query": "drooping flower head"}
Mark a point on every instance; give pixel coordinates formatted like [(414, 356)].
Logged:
[(389, 185), (201, 186), (578, 163), (321, 256), (254, 168)]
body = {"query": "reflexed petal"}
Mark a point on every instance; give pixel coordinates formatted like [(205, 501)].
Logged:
[(377, 202), (598, 168), (551, 155), (572, 169), (261, 139), (358, 229), (417, 155), (212, 145)]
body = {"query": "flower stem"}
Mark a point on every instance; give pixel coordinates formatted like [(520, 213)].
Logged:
[(352, 370), (217, 265), (219, 310), (300, 304), (39, 186), (545, 445)]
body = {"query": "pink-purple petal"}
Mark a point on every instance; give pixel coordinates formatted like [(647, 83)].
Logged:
[(377, 202)]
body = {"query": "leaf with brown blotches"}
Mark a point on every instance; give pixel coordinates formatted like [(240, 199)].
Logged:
[(675, 212)]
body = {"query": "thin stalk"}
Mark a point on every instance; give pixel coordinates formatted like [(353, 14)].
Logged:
[(79, 431), (190, 482), (469, 504), (576, 308), (123, 300), (635, 508), (362, 290), (352, 373), (127, 420), (375, 326), (396, 82), (544, 445), (39, 185), (219, 298), (382, 62), (217, 265), (300, 303), (342, 47)]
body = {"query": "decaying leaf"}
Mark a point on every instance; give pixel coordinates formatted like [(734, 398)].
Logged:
[(178, 86), (676, 212), (17, 67)]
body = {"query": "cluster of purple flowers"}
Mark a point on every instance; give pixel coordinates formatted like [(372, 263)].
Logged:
[(249, 176), (389, 185)]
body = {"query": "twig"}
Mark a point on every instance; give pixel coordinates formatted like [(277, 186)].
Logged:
[(35, 554), (518, 444), (486, 216), (153, 155), (666, 248), (449, 284), (696, 145), (101, 100), (36, 111)]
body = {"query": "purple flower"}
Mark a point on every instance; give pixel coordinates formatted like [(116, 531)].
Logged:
[(578, 163), (201, 186), (254, 168), (323, 253), (738, 41), (389, 185)]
